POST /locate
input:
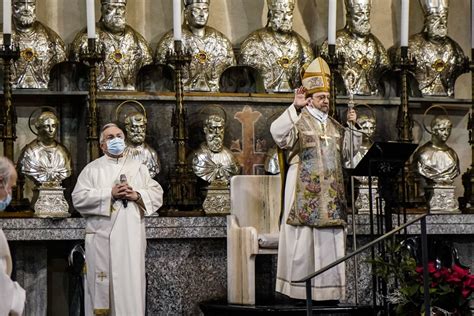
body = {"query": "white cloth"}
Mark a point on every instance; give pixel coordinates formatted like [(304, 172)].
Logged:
[(303, 250), (318, 114), (12, 295), (115, 235)]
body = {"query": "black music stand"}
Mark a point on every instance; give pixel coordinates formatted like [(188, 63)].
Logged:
[(384, 160)]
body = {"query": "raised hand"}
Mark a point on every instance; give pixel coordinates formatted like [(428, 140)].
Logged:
[(351, 115), (300, 100)]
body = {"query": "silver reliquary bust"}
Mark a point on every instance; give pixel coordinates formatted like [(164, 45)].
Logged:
[(40, 47), (126, 51), (47, 163), (211, 52), (363, 53), (276, 50)]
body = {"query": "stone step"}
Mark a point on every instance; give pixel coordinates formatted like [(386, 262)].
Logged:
[(299, 308)]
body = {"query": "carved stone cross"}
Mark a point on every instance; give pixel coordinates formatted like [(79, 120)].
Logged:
[(249, 157)]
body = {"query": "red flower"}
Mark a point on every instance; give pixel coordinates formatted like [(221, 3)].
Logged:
[(453, 278), (460, 271), (431, 268), (465, 293), (469, 282)]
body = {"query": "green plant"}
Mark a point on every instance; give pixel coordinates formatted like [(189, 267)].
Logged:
[(450, 288)]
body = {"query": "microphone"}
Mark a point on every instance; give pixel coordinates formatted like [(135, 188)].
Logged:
[(123, 180)]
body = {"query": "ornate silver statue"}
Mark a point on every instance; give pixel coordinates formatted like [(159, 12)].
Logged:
[(368, 126), (210, 50), (126, 51), (47, 163), (276, 50), (439, 165), (135, 126), (215, 164), (40, 47), (362, 51), (439, 59)]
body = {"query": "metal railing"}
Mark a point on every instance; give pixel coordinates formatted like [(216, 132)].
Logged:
[(424, 251)]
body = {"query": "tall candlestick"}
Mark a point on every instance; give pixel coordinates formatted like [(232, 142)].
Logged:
[(90, 19), (404, 23), (332, 22), (177, 20), (7, 16)]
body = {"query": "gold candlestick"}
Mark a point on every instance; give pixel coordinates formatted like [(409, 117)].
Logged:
[(183, 182), (335, 62), (404, 119), (91, 57), (467, 201), (8, 53)]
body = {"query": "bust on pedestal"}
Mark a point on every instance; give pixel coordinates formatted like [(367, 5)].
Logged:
[(215, 164), (363, 190), (439, 165), (47, 163)]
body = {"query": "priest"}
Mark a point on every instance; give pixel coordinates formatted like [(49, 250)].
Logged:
[(114, 193), (312, 232), (12, 295)]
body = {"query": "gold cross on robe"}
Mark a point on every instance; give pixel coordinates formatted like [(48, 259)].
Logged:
[(324, 136), (102, 276)]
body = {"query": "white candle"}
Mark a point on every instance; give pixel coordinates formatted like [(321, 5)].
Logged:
[(7, 16), (472, 24), (332, 22), (90, 19), (404, 23), (177, 20)]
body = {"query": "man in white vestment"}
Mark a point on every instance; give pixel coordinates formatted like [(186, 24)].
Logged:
[(12, 295), (114, 193), (312, 232)]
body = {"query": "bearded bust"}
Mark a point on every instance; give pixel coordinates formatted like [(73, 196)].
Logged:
[(126, 51), (135, 126), (40, 47), (211, 51), (213, 162), (439, 59), (362, 51), (278, 52)]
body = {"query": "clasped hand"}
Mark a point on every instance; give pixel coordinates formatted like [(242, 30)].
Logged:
[(123, 191)]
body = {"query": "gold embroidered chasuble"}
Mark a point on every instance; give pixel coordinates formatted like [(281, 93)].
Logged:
[(320, 199)]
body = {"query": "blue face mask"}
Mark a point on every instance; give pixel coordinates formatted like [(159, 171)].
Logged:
[(116, 146), (5, 202)]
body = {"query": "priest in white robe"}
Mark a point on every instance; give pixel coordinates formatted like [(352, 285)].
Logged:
[(312, 232), (12, 295), (114, 193)]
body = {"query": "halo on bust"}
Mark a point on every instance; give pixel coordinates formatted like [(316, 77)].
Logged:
[(426, 112), (371, 109), (212, 109), (42, 109), (128, 107)]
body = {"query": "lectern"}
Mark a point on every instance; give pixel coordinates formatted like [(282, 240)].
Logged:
[(385, 160)]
